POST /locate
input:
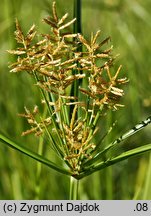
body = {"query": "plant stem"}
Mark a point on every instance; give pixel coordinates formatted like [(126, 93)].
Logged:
[(77, 14), (74, 185), (74, 90), (76, 29)]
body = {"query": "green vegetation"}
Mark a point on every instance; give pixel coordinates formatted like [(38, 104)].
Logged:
[(127, 22)]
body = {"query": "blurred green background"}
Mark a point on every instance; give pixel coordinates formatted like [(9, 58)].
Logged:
[(128, 22)]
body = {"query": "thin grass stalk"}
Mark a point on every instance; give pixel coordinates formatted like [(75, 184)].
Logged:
[(65, 111), (76, 29), (75, 88), (74, 186), (77, 14)]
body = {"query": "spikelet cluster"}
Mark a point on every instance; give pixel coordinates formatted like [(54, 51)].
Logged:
[(56, 64)]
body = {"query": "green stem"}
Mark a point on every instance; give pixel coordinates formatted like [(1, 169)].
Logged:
[(76, 29), (74, 90), (77, 14), (74, 185)]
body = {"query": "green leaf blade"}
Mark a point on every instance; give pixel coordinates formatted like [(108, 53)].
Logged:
[(123, 156), (126, 135), (33, 155)]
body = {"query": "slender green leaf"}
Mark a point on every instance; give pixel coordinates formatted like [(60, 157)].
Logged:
[(125, 155), (126, 135), (32, 154)]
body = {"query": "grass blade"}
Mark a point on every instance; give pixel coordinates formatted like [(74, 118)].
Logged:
[(125, 155), (129, 133), (32, 154)]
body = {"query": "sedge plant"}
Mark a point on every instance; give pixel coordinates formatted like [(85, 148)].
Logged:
[(78, 88)]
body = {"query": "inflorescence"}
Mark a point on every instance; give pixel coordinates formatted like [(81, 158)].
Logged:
[(57, 65)]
